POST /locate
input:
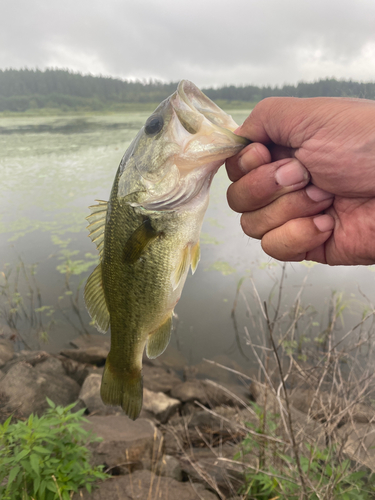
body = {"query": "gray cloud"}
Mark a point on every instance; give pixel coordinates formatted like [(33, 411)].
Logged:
[(209, 42)]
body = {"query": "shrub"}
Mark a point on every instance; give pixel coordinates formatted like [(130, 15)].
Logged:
[(45, 458)]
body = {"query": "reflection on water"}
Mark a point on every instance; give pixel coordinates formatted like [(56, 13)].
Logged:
[(53, 168)]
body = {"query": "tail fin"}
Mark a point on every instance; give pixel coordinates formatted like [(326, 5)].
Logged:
[(121, 388)]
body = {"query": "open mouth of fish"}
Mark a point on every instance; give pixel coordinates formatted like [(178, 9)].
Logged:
[(203, 130), (205, 138)]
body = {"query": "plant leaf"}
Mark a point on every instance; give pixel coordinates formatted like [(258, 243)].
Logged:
[(13, 473), (34, 461), (22, 454)]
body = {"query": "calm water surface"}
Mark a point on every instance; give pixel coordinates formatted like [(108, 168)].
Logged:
[(53, 168)]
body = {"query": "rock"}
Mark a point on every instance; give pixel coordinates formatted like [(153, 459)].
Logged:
[(159, 405), (142, 485), (204, 419), (3, 405), (85, 341), (90, 395), (189, 409), (111, 489), (169, 466), (155, 405), (362, 414), (202, 427), (324, 406), (204, 392), (302, 424), (30, 357), (6, 351), (358, 442), (126, 445), (75, 370), (7, 332), (158, 379), (206, 427), (58, 365), (97, 370), (202, 464), (93, 355), (173, 358), (6, 411), (51, 365), (27, 389), (174, 438)]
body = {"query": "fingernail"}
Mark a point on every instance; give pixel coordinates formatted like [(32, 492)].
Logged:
[(324, 223), (241, 165), (291, 173), (317, 194)]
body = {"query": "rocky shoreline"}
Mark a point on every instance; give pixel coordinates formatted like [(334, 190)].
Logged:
[(188, 432)]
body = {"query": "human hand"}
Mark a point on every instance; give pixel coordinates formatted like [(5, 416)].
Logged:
[(310, 194)]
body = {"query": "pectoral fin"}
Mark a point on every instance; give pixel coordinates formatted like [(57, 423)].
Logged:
[(95, 300), (190, 255), (139, 241), (195, 256), (158, 340), (182, 267)]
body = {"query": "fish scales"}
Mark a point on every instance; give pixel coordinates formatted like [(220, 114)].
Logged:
[(148, 233)]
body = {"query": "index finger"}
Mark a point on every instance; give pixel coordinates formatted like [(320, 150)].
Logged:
[(249, 158)]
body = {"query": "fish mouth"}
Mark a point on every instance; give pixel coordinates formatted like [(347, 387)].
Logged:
[(210, 131), (199, 102)]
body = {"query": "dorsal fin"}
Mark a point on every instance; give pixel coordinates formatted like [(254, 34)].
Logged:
[(95, 300), (97, 220)]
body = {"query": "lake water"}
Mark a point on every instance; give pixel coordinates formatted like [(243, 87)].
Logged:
[(53, 168)]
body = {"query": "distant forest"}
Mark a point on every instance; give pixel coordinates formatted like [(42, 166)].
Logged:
[(28, 89)]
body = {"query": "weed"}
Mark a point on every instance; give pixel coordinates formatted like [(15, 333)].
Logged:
[(309, 435), (277, 476), (45, 458)]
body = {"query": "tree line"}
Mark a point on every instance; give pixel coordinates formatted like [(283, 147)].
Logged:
[(25, 89)]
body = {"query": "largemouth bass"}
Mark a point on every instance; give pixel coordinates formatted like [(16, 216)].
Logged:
[(148, 233)]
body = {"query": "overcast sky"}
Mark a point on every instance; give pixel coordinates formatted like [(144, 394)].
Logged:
[(261, 42)]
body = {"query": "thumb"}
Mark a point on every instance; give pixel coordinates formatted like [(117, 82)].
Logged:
[(279, 120)]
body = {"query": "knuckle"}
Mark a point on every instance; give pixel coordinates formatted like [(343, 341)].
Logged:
[(232, 197), (282, 243), (250, 227)]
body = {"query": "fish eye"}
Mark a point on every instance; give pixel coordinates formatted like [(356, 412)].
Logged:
[(153, 125)]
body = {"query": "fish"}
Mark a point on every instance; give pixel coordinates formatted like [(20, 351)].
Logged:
[(147, 234)]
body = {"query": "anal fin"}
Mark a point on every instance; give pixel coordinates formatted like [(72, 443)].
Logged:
[(159, 339), (95, 300)]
